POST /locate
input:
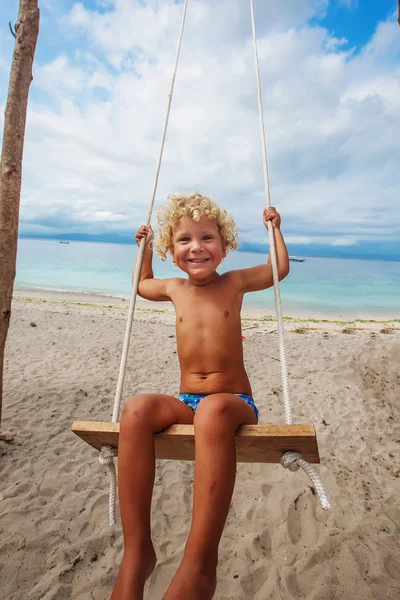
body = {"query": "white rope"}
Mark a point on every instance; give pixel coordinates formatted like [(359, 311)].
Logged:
[(292, 460), (107, 452), (106, 458)]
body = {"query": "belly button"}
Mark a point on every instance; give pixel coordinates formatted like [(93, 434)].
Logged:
[(180, 319), (226, 313)]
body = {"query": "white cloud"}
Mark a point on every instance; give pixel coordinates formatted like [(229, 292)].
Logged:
[(301, 239), (349, 3), (344, 242), (332, 122), (319, 240)]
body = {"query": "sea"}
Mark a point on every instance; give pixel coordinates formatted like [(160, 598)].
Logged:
[(317, 287)]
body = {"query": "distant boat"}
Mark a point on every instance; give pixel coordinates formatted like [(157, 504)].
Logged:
[(295, 259), (61, 242)]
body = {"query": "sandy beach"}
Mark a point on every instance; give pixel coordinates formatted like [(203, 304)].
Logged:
[(62, 360)]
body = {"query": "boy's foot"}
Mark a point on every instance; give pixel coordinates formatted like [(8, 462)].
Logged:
[(192, 582), (136, 567)]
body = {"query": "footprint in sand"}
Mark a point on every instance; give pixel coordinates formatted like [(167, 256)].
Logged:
[(262, 543), (300, 517)]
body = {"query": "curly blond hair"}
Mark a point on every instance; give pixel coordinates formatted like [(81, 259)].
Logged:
[(194, 206)]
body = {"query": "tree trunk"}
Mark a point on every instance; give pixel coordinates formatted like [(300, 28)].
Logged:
[(27, 30)]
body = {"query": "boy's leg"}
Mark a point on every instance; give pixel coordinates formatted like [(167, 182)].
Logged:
[(143, 416), (216, 421)]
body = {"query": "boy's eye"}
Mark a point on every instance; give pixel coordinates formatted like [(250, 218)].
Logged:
[(184, 239), (208, 237)]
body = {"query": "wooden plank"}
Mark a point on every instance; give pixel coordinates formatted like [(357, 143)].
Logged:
[(254, 443)]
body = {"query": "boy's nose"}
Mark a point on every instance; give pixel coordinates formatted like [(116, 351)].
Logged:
[(197, 245)]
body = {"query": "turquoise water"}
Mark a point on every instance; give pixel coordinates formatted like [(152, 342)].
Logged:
[(318, 286)]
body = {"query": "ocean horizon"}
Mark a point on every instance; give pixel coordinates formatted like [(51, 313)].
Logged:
[(330, 287)]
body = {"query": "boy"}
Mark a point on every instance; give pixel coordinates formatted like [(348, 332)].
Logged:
[(215, 392)]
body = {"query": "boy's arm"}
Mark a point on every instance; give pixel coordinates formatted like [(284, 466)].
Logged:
[(259, 278), (150, 288)]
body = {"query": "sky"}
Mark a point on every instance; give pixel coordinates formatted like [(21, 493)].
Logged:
[(330, 76)]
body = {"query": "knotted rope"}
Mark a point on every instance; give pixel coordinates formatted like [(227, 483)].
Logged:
[(107, 453), (291, 460)]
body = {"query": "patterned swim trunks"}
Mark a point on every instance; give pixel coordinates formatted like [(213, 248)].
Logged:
[(193, 400)]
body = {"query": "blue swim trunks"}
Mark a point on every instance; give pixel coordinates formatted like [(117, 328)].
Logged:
[(193, 400)]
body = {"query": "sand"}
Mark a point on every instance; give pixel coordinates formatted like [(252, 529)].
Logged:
[(61, 365)]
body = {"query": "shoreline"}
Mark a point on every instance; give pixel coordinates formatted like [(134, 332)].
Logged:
[(166, 309)]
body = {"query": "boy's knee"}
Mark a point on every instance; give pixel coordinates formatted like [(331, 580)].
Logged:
[(138, 409), (214, 416)]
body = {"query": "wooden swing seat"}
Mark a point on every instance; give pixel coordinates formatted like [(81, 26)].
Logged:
[(254, 443)]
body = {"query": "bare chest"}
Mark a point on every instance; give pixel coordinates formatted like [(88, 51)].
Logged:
[(204, 312)]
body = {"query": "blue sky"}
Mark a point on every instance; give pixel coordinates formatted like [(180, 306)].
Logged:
[(330, 73), (356, 20)]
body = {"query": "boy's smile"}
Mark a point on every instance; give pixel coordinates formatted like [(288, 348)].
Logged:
[(197, 246)]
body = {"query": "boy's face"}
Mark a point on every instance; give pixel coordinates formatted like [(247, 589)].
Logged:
[(197, 246)]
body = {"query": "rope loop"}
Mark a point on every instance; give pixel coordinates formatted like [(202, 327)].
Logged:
[(294, 460), (289, 460), (106, 456)]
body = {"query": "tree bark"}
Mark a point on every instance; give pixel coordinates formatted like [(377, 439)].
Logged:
[(27, 30)]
